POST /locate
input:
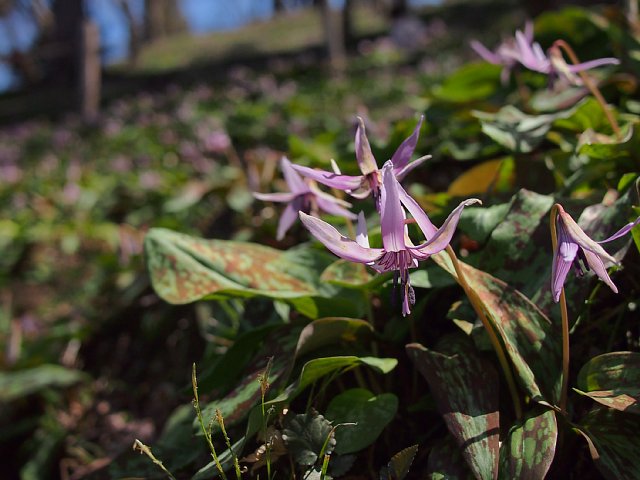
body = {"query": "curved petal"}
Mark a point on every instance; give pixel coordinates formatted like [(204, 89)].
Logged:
[(294, 180), (340, 245), (330, 179), (563, 258), (275, 197), (366, 160), (623, 231), (402, 155), (578, 236), (287, 218), (443, 236), (328, 197), (593, 64), (402, 172), (416, 211), (392, 215), (362, 235), (334, 208), (485, 53), (597, 265)]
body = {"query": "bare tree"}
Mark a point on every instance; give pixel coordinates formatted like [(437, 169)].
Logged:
[(334, 35), (162, 18)]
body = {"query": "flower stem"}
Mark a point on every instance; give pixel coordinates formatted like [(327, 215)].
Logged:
[(591, 86), (495, 341), (565, 319)]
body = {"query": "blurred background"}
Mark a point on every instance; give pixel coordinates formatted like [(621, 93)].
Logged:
[(121, 115)]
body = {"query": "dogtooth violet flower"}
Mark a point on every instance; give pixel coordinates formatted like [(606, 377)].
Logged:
[(302, 196), (505, 53), (398, 253), (370, 181), (575, 248)]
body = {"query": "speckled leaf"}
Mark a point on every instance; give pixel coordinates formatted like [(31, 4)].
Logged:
[(529, 449), (613, 441), (184, 269), (531, 340), (399, 465), (329, 331), (370, 413), (613, 379), (465, 387), (347, 274)]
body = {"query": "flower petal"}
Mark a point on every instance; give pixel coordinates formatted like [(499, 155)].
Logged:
[(336, 242), (443, 236), (392, 215), (416, 211), (366, 160), (333, 208), (578, 236), (597, 265), (593, 64), (402, 155), (402, 172), (362, 235), (623, 231), (485, 53), (294, 180), (330, 179), (287, 218), (563, 258), (275, 197)]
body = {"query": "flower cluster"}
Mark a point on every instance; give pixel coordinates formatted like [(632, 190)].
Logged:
[(393, 204)]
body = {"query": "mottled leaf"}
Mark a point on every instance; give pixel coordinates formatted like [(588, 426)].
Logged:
[(370, 414), (530, 446), (306, 435), (349, 275), (613, 379), (465, 387), (399, 465), (184, 269), (614, 443), (14, 385), (530, 339)]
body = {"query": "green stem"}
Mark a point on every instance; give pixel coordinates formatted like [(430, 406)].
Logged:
[(495, 341), (565, 318), (591, 86)]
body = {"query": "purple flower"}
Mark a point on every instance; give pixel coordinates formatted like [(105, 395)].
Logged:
[(576, 249), (302, 196), (371, 179), (398, 253), (505, 54)]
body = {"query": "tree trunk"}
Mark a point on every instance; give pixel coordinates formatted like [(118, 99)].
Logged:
[(162, 18), (67, 39), (135, 38), (334, 36), (91, 72)]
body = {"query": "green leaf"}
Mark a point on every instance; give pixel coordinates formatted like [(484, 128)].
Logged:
[(465, 387), (607, 147), (370, 413), (399, 465), (308, 435), (515, 130), (430, 276), (18, 384), (531, 341), (474, 81), (614, 443), (446, 463), (184, 269), (328, 331), (347, 274), (613, 380), (530, 446)]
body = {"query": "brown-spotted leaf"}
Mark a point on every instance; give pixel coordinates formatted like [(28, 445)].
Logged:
[(613, 380), (184, 269), (614, 443), (465, 387), (531, 340), (530, 447)]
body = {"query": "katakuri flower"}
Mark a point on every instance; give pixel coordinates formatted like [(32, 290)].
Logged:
[(575, 248), (398, 254), (370, 181), (531, 55), (302, 196), (505, 54)]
